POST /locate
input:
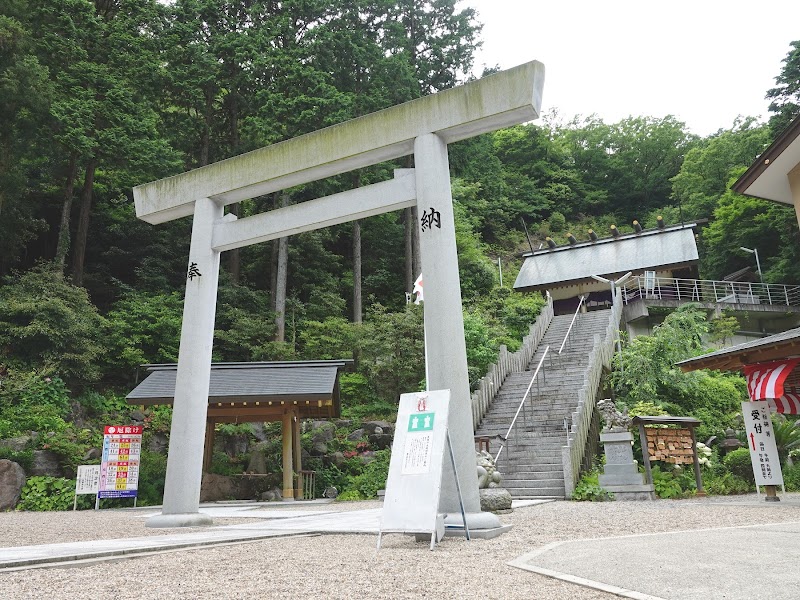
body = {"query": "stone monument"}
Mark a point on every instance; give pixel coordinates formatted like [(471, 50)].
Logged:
[(621, 472)]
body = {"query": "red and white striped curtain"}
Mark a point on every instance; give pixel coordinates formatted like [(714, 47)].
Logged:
[(765, 382)]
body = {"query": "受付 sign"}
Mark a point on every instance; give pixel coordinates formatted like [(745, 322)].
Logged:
[(761, 442), (119, 469)]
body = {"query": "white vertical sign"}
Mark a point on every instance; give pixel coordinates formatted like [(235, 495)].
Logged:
[(411, 504), (87, 480), (761, 442)]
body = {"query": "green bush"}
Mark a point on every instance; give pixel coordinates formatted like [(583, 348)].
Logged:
[(588, 488), (725, 484), (666, 484), (738, 463), (50, 325), (373, 477), (791, 478), (32, 402), (47, 493), (152, 473), (349, 495)]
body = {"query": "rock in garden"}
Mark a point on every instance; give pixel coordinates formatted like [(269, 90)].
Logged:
[(46, 463), (16, 444), (356, 435), (322, 432), (495, 500), (159, 442), (92, 454), (258, 459), (12, 479), (381, 441), (373, 426), (217, 487), (137, 416)]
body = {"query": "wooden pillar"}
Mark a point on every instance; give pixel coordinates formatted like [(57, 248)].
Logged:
[(208, 448), (288, 469), (697, 476), (296, 450)]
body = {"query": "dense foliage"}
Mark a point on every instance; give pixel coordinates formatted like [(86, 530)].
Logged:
[(99, 96)]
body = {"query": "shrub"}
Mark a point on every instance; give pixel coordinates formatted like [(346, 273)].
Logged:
[(373, 477), (738, 463), (666, 484), (47, 493), (47, 323), (725, 484), (588, 488), (152, 473)]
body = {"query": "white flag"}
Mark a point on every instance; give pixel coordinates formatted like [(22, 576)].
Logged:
[(418, 289)]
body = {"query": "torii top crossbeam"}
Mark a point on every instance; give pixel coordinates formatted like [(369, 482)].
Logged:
[(488, 104)]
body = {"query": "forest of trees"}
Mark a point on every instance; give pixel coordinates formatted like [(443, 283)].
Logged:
[(99, 96)]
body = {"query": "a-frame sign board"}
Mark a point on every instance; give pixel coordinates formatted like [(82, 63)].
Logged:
[(413, 487)]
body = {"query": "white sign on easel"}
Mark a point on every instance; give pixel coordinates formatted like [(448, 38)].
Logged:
[(761, 442), (411, 504)]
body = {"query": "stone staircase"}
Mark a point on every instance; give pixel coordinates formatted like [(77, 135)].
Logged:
[(531, 462)]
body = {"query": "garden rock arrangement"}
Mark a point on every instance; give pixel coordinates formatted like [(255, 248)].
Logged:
[(12, 478)]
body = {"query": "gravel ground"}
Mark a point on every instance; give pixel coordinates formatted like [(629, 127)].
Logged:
[(347, 566)]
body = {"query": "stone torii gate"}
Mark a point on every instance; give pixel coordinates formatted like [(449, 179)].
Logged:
[(422, 127)]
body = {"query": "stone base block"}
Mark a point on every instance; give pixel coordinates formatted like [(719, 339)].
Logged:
[(634, 478), (179, 520), (641, 491)]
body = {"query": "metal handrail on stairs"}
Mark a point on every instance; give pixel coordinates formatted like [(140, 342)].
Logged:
[(504, 439), (574, 317)]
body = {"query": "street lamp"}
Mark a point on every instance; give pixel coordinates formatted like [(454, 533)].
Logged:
[(758, 263), (614, 284)]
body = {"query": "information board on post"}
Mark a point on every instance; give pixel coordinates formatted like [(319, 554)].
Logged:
[(87, 481), (411, 504), (761, 442), (119, 469)]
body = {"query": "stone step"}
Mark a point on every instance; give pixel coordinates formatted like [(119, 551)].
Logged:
[(550, 492), (521, 478)]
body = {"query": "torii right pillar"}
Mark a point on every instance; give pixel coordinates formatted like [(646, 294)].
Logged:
[(446, 350)]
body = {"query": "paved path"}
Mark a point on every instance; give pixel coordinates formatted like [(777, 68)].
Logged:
[(742, 562), (758, 561), (268, 520)]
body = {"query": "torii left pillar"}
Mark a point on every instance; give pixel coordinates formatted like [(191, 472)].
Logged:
[(185, 465)]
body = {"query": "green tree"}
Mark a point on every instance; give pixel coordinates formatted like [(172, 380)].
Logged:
[(752, 223), (24, 97), (707, 168), (50, 325), (785, 96)]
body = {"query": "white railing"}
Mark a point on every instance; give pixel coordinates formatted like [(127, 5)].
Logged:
[(509, 362), (504, 439), (702, 290), (579, 425), (571, 324)]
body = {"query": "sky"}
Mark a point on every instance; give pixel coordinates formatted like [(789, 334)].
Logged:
[(703, 61)]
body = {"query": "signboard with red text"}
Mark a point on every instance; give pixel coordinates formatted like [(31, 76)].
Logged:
[(119, 469), (761, 442)]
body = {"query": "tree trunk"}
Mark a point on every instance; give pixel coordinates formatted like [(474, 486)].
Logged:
[(408, 222), (280, 287), (234, 259), (82, 235), (62, 248), (357, 310)]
